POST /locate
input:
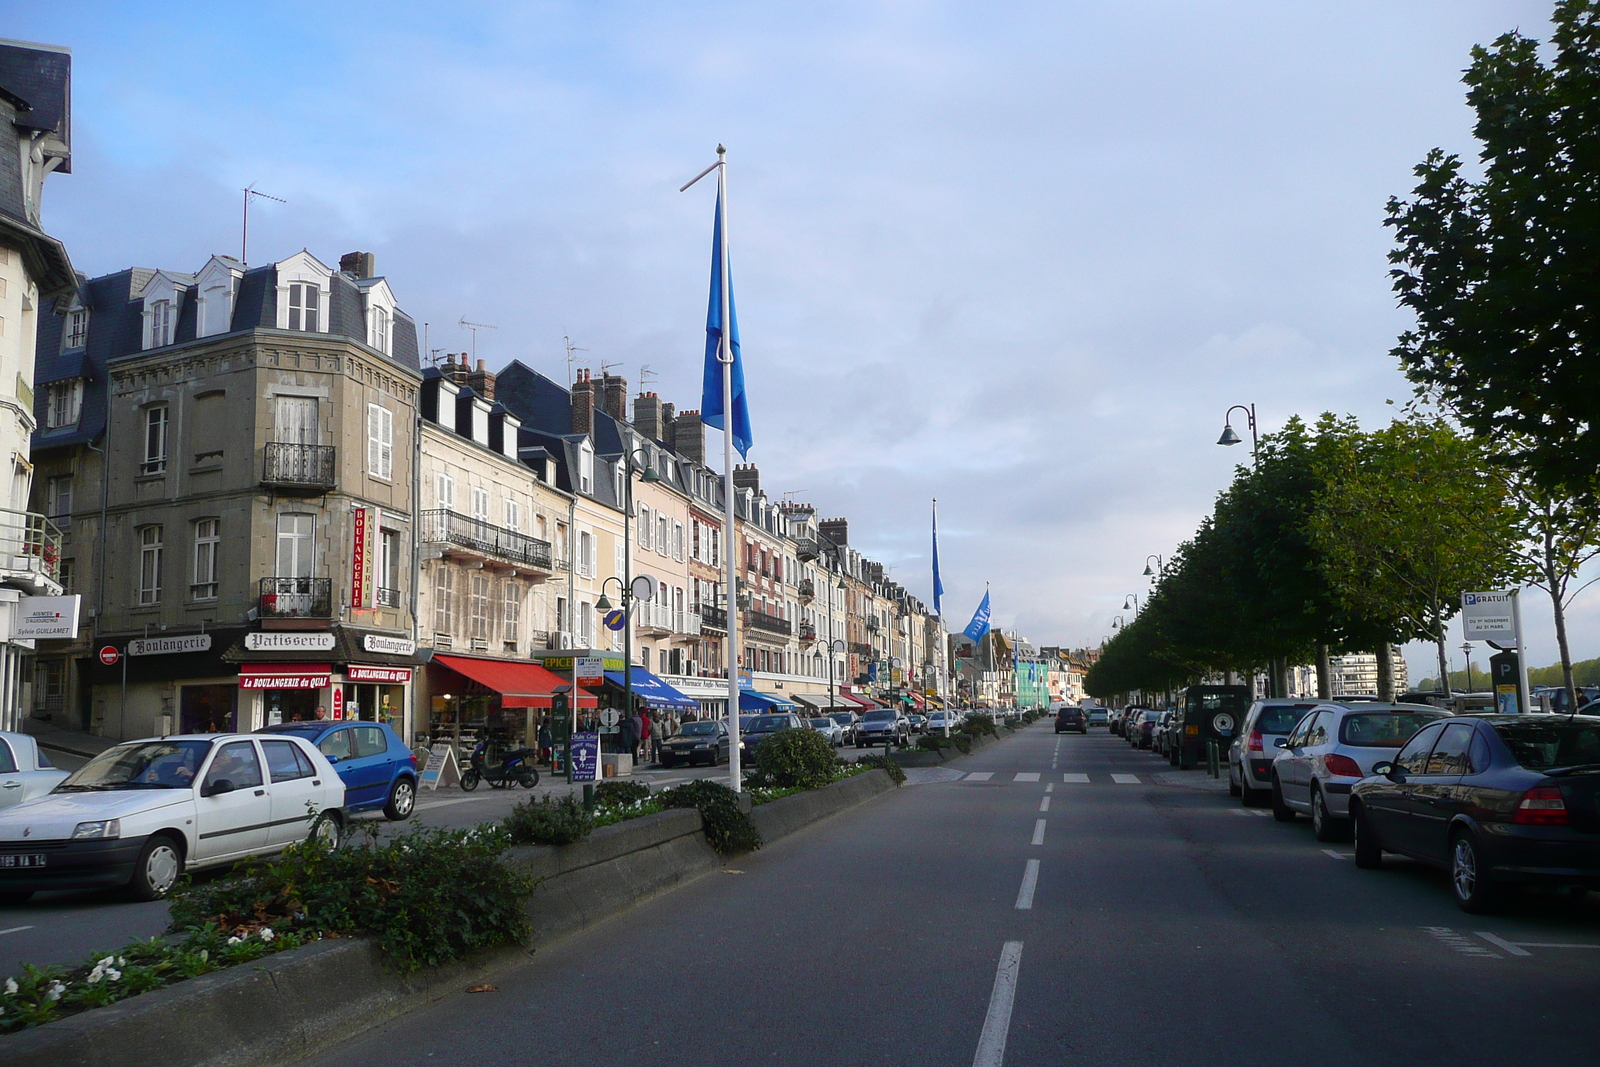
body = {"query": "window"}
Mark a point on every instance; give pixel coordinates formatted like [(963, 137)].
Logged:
[(66, 403), (513, 515), (585, 624), (585, 555), (644, 527), (445, 491), (585, 468), (379, 329), (512, 608), (58, 499), (444, 615), (77, 332), (1413, 759), (236, 763), (478, 606), (66, 574), (216, 310), (161, 320), (207, 536), (480, 504), (380, 441), (1452, 755), (678, 545), (663, 542), (285, 762), (296, 545), (369, 741), (389, 568), (155, 440), (305, 306), (149, 590)]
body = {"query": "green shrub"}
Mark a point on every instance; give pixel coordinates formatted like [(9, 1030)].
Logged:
[(978, 727), (727, 827), (795, 759), (934, 743), (889, 765), (622, 792), (547, 821)]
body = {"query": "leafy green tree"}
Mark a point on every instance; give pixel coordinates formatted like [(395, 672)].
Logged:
[(1501, 271), (1561, 533)]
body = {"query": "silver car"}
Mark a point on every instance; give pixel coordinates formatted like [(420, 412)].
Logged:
[(1256, 745), (1331, 749), (25, 771), (828, 729)]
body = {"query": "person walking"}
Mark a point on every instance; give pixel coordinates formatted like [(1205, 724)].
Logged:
[(646, 736), (628, 737)]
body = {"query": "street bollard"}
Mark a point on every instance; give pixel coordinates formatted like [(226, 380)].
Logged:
[(588, 796)]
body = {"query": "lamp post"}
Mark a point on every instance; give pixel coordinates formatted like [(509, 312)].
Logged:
[(626, 591), (1117, 622), (1466, 648), (1156, 572), (1131, 600), (1229, 437)]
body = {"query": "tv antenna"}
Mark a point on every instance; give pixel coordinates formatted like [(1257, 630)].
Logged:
[(244, 236), (571, 359), (646, 376), (475, 327), (607, 368)]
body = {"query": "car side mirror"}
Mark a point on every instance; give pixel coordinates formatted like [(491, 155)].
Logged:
[(1282, 742), (1389, 771), (221, 785)]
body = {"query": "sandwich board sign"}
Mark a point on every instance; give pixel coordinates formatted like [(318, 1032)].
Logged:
[(441, 768)]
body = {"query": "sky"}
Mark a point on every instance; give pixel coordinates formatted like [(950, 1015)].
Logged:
[(1017, 257)]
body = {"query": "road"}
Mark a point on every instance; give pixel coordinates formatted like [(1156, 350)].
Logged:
[(1162, 924)]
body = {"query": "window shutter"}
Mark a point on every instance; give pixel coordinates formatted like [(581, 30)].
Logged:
[(386, 440), (619, 559)]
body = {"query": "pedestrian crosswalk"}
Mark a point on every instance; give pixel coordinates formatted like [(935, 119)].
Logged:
[(1067, 777)]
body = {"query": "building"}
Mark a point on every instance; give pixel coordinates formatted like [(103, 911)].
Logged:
[(1356, 674)]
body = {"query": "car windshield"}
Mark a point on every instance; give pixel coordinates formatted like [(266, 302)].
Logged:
[(842, 720), (768, 722), (821, 724), (878, 716), (1280, 718), (1151, 716), (698, 729), (1544, 745), (1382, 729), (142, 765)]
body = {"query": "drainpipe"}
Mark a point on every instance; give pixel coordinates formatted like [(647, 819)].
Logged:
[(416, 550)]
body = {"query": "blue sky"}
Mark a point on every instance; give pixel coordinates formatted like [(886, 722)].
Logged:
[(1020, 257)]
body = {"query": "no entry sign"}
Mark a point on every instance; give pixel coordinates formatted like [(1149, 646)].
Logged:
[(109, 656)]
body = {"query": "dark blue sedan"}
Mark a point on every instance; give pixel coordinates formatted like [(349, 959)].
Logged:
[(377, 768)]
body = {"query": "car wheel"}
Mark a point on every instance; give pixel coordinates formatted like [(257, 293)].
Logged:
[(402, 798), (14, 897), (469, 780), (1369, 850), (156, 870), (1280, 811), (1248, 797), (666, 760), (1469, 880), (325, 831), (1323, 825)]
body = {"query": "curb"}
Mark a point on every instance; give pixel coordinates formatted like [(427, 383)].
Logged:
[(289, 1005)]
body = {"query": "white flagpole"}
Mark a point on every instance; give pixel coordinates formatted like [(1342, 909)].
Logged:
[(725, 356)]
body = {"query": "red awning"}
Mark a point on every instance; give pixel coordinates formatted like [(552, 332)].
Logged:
[(520, 685), (861, 701), (284, 675), (917, 701)]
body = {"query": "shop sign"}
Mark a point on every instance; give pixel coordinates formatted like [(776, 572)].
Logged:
[(164, 646), (441, 768), (338, 703), (275, 641), (386, 675), (561, 664), (591, 670), (47, 616), (585, 757), (389, 646), (283, 676), (745, 681)]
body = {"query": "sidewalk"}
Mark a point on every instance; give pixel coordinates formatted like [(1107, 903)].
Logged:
[(69, 741)]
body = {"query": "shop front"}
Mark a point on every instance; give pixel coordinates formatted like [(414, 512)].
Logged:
[(502, 701), (343, 674), (288, 692)]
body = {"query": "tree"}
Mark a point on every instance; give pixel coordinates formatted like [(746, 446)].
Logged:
[(1561, 534), (1501, 272), (1409, 517)]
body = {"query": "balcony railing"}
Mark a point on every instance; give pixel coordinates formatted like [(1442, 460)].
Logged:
[(29, 543), (296, 598), (872, 624), (713, 618), (859, 649), (449, 527), (808, 632), (808, 589), (760, 620), (298, 466), (388, 598)]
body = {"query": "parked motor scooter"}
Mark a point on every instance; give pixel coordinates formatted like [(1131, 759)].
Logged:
[(515, 767)]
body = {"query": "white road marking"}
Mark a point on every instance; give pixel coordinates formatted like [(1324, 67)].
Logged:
[(1030, 880), (1038, 831), (1125, 779), (1263, 812), (1075, 779), (1504, 945), (14, 930), (1044, 803), (1537, 944), (1460, 943), (1335, 855), (997, 1023), (1027, 776), (1239, 811), (1051, 788), (980, 776)]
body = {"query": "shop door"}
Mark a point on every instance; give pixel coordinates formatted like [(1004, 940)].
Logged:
[(236, 822)]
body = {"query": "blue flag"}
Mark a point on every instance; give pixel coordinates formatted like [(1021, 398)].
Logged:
[(711, 388), (938, 586), (980, 620)]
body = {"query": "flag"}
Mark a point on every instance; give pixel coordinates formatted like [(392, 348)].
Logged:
[(980, 620), (938, 586), (711, 388)]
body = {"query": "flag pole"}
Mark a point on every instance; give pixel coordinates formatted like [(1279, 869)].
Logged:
[(725, 357)]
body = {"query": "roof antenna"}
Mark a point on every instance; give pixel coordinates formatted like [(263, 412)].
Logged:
[(607, 368), (244, 237), (475, 327), (646, 376), (571, 359)]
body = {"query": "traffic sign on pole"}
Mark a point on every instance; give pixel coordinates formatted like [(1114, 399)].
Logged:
[(109, 656)]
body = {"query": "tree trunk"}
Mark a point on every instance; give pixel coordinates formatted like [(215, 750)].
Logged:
[(1324, 672), (1560, 614), (1385, 673), (1444, 663)]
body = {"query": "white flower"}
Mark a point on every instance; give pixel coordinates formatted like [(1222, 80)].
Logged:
[(234, 940), (205, 954), (11, 986), (55, 991), (267, 934)]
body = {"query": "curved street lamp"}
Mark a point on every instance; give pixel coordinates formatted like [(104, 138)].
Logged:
[(1160, 565), (1131, 600), (1229, 437), (629, 589)]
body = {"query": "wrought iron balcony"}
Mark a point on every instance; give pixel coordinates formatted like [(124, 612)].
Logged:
[(808, 589), (859, 649), (480, 538), (292, 466), (296, 598), (872, 624), (808, 632), (388, 598), (760, 620), (713, 618)]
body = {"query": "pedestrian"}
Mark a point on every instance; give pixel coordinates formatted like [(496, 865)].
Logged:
[(546, 741), (646, 735), (628, 737), (322, 713)]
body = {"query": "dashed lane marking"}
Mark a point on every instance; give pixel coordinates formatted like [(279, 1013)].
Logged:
[(1044, 803), (1501, 943), (1460, 942), (1075, 779), (1515, 948), (1239, 811), (1051, 788), (997, 1022), (1125, 779), (1038, 831), (1027, 776), (14, 930), (1030, 881), (980, 776), (1337, 855)]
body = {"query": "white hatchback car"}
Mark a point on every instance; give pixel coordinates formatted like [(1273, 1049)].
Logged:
[(143, 813), (25, 772)]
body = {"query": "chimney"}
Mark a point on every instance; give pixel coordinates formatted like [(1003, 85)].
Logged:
[(481, 381), (647, 415), (358, 264), (835, 530), (613, 396), (689, 436), (583, 400), (668, 413), (745, 476), (453, 371)]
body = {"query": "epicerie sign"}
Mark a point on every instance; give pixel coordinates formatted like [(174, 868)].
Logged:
[(166, 646), (260, 641), (1487, 617), (393, 646)]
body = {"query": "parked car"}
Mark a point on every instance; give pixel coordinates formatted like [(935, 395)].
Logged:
[(143, 813), (847, 721), (828, 729), (377, 768), (763, 728), (1494, 800), (705, 741), (918, 722), (1206, 713), (938, 720), (1332, 748), (1158, 736), (1141, 730), (25, 771), (1098, 716), (1072, 717), (880, 725), (1253, 750)]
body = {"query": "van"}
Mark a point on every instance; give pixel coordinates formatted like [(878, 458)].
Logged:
[(1210, 713)]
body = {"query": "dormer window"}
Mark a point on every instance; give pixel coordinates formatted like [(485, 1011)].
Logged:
[(66, 403), (76, 334), (585, 468), (160, 319), (380, 329), (305, 306), (216, 310)]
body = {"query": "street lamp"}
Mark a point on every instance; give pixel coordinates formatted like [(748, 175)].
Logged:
[(629, 589), (1229, 437), (1131, 600), (1467, 648), (1117, 622), (1160, 564)]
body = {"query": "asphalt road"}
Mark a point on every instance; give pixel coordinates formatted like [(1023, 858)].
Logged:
[(1161, 925)]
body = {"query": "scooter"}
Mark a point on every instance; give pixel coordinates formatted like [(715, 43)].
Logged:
[(516, 767)]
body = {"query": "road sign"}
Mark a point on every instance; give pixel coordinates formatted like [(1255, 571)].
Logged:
[(109, 656), (591, 670), (616, 619), (1488, 617), (609, 717)]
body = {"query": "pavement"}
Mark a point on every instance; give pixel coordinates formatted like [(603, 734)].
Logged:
[(1047, 901)]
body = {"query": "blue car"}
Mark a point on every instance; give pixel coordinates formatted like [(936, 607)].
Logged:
[(377, 768)]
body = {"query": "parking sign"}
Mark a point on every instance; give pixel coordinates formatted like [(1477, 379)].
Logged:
[(1488, 617)]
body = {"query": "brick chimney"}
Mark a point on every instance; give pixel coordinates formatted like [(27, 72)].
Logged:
[(746, 476), (453, 371), (688, 436), (835, 530), (358, 264), (668, 413), (612, 395), (481, 381), (647, 415), (583, 402)]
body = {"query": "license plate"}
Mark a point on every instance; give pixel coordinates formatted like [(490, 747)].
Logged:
[(34, 860)]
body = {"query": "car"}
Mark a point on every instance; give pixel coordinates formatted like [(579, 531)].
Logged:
[(883, 725), (143, 813), (1206, 714), (1141, 729), (939, 721), (763, 728), (1098, 716), (1494, 799), (1253, 750), (25, 771), (847, 722), (918, 722), (378, 770), (1330, 749), (705, 741), (1071, 717), (1159, 735), (827, 728)]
